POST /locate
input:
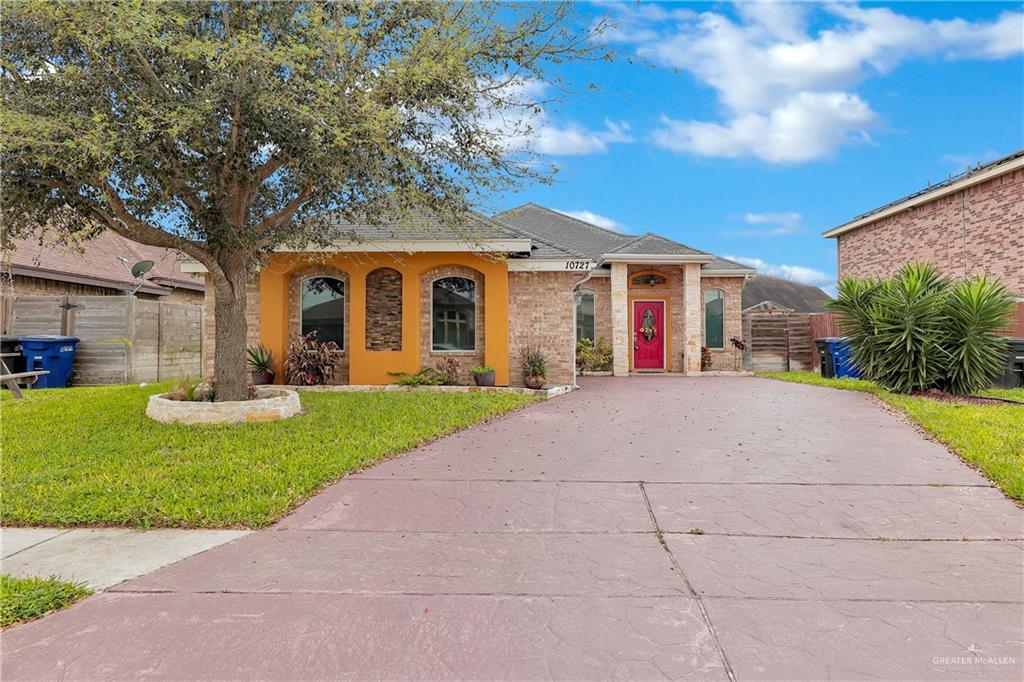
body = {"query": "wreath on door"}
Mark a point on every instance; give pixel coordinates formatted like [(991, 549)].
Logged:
[(647, 325)]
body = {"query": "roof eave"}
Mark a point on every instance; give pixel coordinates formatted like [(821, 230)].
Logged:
[(732, 272), (417, 246), (926, 197), (655, 258)]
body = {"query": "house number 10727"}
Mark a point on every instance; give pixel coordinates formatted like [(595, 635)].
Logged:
[(577, 265)]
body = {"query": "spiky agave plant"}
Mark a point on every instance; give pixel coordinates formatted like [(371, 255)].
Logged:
[(853, 305), (976, 309), (897, 327)]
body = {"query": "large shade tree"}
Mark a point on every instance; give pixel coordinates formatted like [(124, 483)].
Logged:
[(224, 130)]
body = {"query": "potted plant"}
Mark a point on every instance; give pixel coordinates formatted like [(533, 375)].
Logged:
[(535, 366), (261, 362), (483, 375)]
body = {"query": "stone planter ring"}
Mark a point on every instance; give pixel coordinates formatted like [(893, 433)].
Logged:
[(271, 405)]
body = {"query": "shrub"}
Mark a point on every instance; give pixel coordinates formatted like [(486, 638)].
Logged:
[(260, 358), (535, 363), (449, 370), (594, 356), (309, 362), (480, 369), (918, 330), (428, 376)]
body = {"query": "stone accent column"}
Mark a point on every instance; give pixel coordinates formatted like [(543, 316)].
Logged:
[(621, 333), (692, 310)]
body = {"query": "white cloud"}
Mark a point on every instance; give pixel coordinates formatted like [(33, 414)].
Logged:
[(770, 224), (797, 273), (574, 139), (520, 115), (787, 88), (595, 219), (809, 126)]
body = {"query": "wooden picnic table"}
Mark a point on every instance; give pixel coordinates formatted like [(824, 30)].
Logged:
[(10, 379)]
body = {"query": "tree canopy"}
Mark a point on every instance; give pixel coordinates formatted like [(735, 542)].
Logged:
[(225, 129)]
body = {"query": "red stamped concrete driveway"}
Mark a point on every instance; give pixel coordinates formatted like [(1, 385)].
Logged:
[(647, 528)]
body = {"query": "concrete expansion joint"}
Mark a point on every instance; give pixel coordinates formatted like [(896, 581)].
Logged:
[(682, 576)]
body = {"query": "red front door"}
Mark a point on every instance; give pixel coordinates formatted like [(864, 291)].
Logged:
[(648, 334)]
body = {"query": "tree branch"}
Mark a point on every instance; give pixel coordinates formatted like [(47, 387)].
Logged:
[(286, 212)]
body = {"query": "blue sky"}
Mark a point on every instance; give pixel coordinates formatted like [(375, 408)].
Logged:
[(748, 129)]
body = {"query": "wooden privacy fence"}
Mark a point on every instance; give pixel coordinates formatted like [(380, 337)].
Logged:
[(779, 342), (123, 339)]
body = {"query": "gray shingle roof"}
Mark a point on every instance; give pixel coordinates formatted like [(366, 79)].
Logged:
[(422, 224), (592, 241), (719, 263), (650, 243), (557, 228), (803, 298)]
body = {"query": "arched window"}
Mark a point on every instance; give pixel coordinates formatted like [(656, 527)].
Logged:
[(714, 318), (454, 313), (585, 314), (323, 309)]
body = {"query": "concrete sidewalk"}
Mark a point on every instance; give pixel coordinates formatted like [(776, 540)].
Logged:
[(101, 557), (642, 528)]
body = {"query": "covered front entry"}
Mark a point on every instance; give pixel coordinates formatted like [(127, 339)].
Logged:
[(648, 335)]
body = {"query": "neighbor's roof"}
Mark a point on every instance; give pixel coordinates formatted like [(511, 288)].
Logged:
[(801, 298), (594, 242), (94, 263), (953, 183)]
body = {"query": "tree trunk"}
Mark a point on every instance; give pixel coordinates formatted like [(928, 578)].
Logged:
[(230, 329)]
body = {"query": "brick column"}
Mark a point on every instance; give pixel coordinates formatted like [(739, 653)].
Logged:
[(692, 311), (621, 333)]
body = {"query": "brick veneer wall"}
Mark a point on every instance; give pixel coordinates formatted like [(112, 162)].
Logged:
[(978, 231), (295, 311), (252, 319), (541, 312), (466, 359), (724, 359), (384, 309)]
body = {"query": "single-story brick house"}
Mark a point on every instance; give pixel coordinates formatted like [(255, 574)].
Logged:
[(398, 297), (970, 224)]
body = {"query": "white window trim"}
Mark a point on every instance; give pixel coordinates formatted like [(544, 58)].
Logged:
[(704, 319), (584, 292), (463, 351), (344, 298)]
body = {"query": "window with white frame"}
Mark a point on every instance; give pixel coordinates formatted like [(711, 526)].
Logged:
[(323, 309), (714, 318), (585, 303), (453, 302)]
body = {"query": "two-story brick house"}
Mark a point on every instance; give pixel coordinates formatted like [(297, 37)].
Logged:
[(971, 224)]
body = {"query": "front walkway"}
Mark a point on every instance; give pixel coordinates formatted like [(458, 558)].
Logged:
[(640, 528)]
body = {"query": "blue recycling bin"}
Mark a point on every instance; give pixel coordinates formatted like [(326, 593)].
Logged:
[(52, 353), (842, 357)]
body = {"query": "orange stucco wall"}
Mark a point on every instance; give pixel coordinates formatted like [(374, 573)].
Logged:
[(374, 367)]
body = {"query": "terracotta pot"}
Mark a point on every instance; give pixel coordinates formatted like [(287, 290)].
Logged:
[(535, 381), (262, 378), (486, 379)]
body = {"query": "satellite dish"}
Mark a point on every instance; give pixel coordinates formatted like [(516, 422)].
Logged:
[(141, 268)]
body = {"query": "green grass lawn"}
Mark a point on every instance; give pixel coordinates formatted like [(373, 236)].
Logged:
[(90, 456), (23, 599), (991, 437)]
